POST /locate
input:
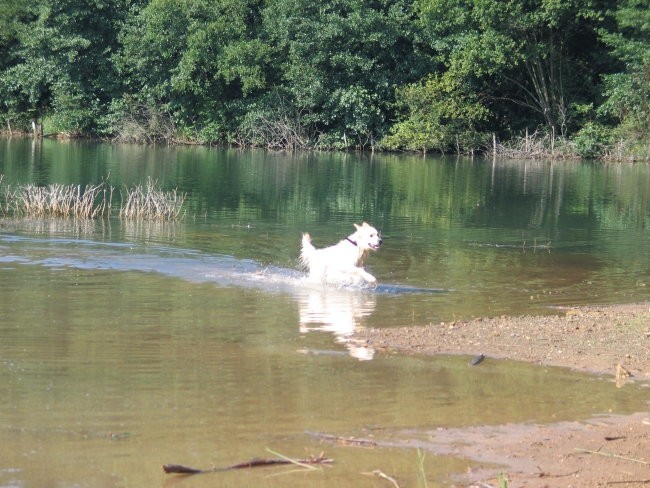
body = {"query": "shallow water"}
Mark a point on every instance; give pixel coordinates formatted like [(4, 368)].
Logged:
[(126, 346)]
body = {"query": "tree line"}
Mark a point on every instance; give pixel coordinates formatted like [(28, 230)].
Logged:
[(567, 76)]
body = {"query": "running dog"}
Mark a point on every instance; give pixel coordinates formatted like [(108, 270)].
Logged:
[(341, 264)]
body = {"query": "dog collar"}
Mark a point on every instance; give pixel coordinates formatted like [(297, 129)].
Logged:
[(351, 241)]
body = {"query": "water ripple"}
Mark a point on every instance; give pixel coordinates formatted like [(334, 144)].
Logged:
[(186, 264)]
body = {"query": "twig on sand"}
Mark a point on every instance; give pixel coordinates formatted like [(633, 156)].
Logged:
[(253, 463), (611, 454), (346, 441), (305, 463), (631, 482), (381, 474), (182, 469)]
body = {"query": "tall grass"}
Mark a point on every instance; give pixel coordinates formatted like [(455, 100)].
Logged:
[(590, 143), (56, 200), (538, 145), (90, 202), (422, 473), (150, 203)]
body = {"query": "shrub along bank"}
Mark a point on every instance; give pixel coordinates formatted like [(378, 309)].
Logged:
[(563, 78)]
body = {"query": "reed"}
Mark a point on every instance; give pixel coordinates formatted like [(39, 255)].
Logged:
[(538, 145), (148, 202), (144, 202), (56, 200)]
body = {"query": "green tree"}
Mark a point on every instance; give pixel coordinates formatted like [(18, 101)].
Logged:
[(442, 115), (340, 61), (24, 91), (59, 64), (512, 63), (193, 60), (628, 92)]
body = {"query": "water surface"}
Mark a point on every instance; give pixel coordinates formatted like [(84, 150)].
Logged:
[(129, 345)]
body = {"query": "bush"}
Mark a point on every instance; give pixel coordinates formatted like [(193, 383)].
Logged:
[(132, 121), (592, 140), (274, 123)]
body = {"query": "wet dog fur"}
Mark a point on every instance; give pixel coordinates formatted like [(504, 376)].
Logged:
[(342, 263)]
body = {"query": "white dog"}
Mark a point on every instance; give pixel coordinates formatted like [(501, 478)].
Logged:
[(341, 263)]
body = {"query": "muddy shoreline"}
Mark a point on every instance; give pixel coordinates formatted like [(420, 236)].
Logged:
[(610, 450)]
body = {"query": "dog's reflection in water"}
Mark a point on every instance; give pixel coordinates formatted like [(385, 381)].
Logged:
[(340, 312)]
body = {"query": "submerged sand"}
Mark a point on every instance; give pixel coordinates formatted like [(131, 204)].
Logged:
[(605, 451)]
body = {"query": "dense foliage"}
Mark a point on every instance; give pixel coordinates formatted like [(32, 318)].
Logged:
[(426, 75)]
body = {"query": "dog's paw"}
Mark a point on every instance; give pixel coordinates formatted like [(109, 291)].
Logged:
[(369, 284)]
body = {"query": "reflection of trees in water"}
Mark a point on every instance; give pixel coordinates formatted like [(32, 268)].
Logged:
[(151, 229), (77, 228), (443, 191), (128, 230)]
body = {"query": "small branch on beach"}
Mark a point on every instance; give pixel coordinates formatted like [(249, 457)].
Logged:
[(253, 463), (346, 441), (381, 474), (631, 482), (613, 455), (181, 469)]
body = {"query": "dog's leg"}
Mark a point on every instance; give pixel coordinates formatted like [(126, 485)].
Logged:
[(366, 276), (307, 251)]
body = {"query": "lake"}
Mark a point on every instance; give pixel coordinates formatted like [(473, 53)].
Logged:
[(126, 345)]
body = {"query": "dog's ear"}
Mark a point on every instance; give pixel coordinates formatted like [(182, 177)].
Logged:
[(357, 226)]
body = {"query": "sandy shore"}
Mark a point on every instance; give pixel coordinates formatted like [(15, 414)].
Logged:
[(607, 451)]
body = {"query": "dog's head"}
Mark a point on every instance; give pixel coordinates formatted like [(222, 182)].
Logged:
[(367, 237)]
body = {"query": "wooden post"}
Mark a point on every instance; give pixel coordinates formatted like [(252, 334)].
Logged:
[(553, 141), (37, 129), (527, 141)]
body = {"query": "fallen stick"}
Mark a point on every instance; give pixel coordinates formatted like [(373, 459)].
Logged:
[(347, 441), (611, 454), (180, 469), (253, 463), (641, 482), (383, 475)]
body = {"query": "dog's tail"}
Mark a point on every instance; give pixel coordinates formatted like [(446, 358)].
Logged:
[(307, 250)]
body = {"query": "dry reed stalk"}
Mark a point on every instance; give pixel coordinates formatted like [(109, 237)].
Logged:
[(538, 145), (612, 455), (150, 203), (57, 200), (91, 202)]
